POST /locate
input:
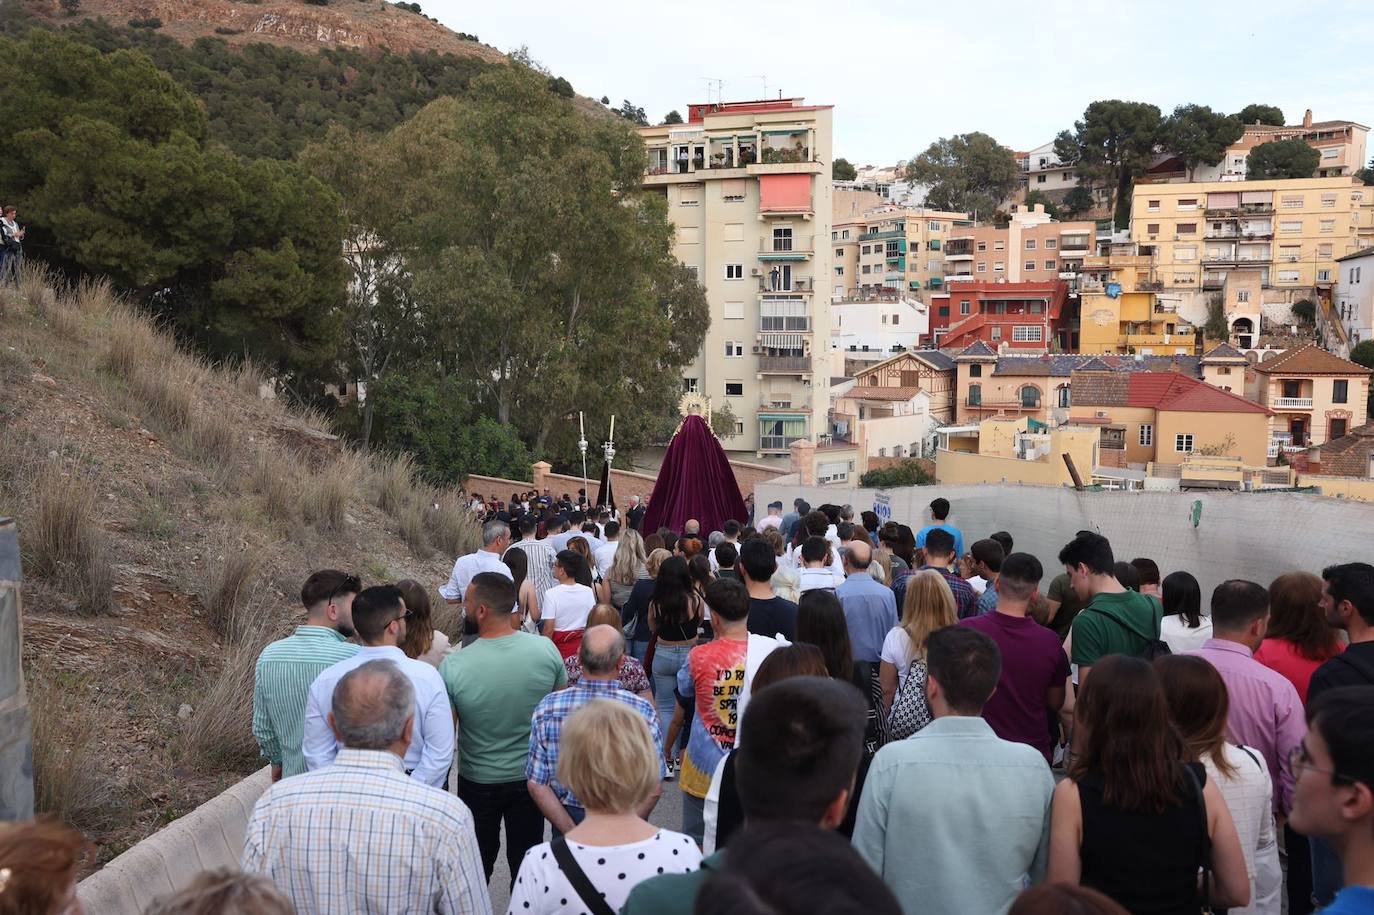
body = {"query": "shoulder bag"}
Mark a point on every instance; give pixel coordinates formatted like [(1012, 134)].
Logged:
[(1205, 896), (910, 711), (582, 885)]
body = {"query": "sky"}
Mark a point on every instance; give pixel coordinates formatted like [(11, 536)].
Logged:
[(901, 75)]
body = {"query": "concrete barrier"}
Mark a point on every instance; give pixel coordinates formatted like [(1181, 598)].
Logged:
[(16, 737), (207, 837)]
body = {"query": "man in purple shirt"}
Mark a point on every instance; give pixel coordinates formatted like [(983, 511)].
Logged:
[(1035, 669), (1266, 712)]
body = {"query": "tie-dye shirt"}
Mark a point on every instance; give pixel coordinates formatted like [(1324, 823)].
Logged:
[(714, 676)]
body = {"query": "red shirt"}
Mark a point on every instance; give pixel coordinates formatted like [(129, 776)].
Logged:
[(1281, 656)]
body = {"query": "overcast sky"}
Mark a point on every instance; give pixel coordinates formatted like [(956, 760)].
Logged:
[(903, 74)]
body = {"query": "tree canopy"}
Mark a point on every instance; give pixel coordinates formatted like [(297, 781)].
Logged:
[(673, 117), (967, 173), (1040, 197), (1113, 143), (1261, 114), (1078, 200), (1291, 158), (842, 170), (1198, 135)]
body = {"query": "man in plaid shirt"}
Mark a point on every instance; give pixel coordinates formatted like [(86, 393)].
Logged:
[(601, 651), (939, 556), (358, 835)]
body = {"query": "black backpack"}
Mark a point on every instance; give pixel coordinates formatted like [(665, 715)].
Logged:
[(1154, 648)]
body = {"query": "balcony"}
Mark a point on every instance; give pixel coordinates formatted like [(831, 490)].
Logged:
[(1150, 286), (954, 256), (798, 284), (784, 365), (997, 406), (1074, 243), (1291, 403), (785, 248), (886, 233), (1245, 209)]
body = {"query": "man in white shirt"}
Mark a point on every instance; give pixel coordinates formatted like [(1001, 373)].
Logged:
[(814, 572), (573, 529), (495, 539), (773, 518), (379, 617), (732, 531), (605, 554)]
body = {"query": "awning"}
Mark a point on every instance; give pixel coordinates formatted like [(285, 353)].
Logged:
[(784, 192), (1035, 425), (785, 417), (782, 341), (784, 133)]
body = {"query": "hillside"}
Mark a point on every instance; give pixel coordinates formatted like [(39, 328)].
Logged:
[(168, 515), (361, 24)]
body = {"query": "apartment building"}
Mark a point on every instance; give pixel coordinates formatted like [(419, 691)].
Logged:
[(869, 329), (747, 186), (1026, 316), (1123, 310), (1032, 247), (1354, 298), (892, 249), (1316, 396), (1289, 231), (1340, 143)]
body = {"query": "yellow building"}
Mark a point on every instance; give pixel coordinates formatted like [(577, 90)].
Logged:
[(1122, 309), (1290, 231), (748, 189), (893, 249), (1009, 450)]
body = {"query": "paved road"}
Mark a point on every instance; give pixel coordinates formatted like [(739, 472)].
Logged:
[(668, 814)]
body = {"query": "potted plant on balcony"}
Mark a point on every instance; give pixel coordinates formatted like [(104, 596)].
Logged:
[(718, 160), (771, 156)]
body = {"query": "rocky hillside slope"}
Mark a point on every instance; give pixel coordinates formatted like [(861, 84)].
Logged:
[(362, 24), (168, 514)]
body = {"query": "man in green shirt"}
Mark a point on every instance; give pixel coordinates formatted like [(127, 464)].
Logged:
[(798, 751), (1114, 619), (287, 667), (494, 685)]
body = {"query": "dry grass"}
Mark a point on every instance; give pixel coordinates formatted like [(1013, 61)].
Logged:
[(69, 775), (453, 529), (228, 586), (214, 438), (37, 285), (250, 377), (220, 732), (328, 491), (395, 482), (274, 478), (64, 542), (93, 297), (66, 321)]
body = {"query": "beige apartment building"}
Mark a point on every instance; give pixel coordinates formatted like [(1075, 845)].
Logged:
[(892, 249), (1290, 231), (1316, 396), (747, 185), (1031, 248)]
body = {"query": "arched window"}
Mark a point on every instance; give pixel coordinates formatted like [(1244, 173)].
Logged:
[(1030, 396), (975, 395)]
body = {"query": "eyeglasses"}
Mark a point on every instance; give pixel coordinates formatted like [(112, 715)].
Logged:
[(408, 615), (1299, 760)]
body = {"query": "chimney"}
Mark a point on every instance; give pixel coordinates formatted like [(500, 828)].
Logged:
[(1307, 118)]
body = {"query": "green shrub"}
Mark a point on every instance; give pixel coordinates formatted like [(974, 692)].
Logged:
[(907, 473)]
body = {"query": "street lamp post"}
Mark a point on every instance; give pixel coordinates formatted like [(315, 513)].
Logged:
[(582, 447)]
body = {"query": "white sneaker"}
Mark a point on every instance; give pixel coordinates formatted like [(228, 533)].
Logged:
[(670, 767)]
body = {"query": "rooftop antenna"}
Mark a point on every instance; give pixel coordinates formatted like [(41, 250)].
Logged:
[(719, 85), (765, 85)]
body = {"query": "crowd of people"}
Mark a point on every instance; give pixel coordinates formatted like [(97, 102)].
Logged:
[(858, 717)]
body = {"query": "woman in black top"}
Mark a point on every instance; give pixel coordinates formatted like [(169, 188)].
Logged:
[(1133, 820), (634, 613), (675, 618)]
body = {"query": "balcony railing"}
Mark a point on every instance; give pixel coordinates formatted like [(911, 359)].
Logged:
[(778, 442), (974, 404), (785, 365), (1291, 403), (799, 284), (793, 244), (1245, 209), (1074, 243)]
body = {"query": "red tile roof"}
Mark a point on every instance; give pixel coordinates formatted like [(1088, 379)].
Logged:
[(1309, 359), (1172, 391)]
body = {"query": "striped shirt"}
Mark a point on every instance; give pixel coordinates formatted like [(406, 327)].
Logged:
[(281, 688), (540, 556), (360, 837), (547, 726)]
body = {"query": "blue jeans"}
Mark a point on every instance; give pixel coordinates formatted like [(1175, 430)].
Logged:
[(668, 660), (637, 649), (693, 817)]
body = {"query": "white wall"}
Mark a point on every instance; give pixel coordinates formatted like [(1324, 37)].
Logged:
[(860, 324), (1355, 297), (889, 432), (1257, 536)]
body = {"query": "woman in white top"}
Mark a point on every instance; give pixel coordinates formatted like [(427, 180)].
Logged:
[(1198, 705), (929, 605), (422, 640), (563, 612), (1183, 627), (608, 760)]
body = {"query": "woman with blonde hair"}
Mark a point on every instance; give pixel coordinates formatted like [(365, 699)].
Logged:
[(422, 640), (225, 891), (632, 676), (607, 758), (628, 567), (929, 605)]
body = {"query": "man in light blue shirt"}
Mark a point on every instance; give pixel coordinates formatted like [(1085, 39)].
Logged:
[(870, 609), (939, 511), (955, 819), (379, 616)]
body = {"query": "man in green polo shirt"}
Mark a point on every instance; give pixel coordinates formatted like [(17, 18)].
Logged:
[(796, 757), (1115, 620), (494, 684), (287, 667)]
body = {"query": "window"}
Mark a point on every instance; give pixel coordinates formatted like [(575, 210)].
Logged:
[(1064, 397), (1147, 435), (1183, 443), (884, 319), (1030, 265), (1027, 333), (734, 271), (1039, 179), (1290, 252), (1339, 391), (739, 428), (1243, 296), (1030, 396), (963, 306), (1324, 250), (867, 268), (896, 319), (1291, 201), (1187, 203), (1184, 279), (1030, 244), (839, 252), (1337, 429), (734, 389), (734, 311), (982, 266), (1288, 276), (1323, 276), (1051, 244), (975, 394), (996, 332), (998, 245), (982, 246), (689, 385), (998, 267), (1050, 265), (1328, 200), (695, 271), (933, 226), (867, 249), (1290, 225), (1187, 228), (975, 370), (734, 349), (1224, 370), (1152, 206), (784, 315), (844, 233), (1188, 253), (1328, 225), (944, 311), (1152, 228), (839, 271)]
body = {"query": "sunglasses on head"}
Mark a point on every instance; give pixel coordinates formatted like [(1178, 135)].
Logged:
[(349, 584)]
